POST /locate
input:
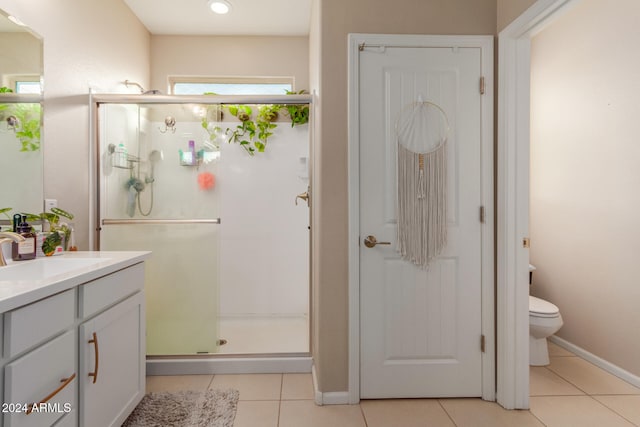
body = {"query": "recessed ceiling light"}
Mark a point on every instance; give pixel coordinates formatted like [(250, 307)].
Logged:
[(220, 6)]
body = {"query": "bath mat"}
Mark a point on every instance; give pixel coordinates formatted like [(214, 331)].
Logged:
[(210, 408)]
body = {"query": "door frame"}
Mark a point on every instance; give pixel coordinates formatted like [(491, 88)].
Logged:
[(485, 43), (512, 268)]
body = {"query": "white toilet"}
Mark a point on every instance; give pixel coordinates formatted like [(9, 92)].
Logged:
[(544, 321)]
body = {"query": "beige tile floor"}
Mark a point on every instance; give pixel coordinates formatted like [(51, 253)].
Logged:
[(568, 393)]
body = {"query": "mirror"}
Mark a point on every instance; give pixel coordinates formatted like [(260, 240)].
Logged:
[(21, 154)]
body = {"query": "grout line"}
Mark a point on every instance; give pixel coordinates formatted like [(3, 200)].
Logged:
[(598, 362), (534, 415), (611, 409), (280, 401), (279, 412), (281, 385), (446, 412), (567, 380), (563, 379), (364, 417)]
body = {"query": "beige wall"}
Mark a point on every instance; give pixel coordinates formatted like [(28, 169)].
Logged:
[(100, 43), (337, 19), (20, 54), (508, 10), (229, 56), (585, 176), (96, 43)]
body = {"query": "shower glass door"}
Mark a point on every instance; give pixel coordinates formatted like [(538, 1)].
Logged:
[(157, 193), (228, 227)]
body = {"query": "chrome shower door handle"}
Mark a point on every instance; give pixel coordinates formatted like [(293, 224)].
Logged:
[(371, 242)]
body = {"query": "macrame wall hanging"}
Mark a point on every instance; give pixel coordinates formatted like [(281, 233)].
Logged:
[(421, 131)]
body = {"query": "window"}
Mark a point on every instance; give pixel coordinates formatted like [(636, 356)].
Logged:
[(25, 84), (28, 87), (231, 86)]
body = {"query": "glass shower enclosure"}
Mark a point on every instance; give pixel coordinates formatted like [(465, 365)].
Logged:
[(165, 172)]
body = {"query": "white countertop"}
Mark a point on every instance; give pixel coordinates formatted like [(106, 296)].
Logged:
[(82, 267)]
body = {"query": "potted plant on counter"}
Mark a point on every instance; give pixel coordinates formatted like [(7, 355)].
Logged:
[(58, 233)]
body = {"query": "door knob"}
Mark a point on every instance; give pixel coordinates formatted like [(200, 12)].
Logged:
[(304, 196), (371, 241)]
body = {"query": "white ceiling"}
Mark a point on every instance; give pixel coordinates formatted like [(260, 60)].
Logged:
[(247, 17)]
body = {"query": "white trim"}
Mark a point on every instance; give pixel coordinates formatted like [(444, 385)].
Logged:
[(512, 203), (598, 361), (354, 219), (229, 365), (485, 43), (330, 398)]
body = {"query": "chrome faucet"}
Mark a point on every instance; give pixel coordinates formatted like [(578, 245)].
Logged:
[(8, 236)]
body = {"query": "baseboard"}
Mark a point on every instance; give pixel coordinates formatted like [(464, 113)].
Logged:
[(599, 362), (327, 398), (229, 365)]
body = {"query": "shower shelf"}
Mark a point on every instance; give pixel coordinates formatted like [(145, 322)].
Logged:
[(130, 161)]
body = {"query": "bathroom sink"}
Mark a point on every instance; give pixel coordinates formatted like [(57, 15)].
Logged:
[(44, 268)]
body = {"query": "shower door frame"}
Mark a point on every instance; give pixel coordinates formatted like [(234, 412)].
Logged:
[(95, 100), (206, 363)]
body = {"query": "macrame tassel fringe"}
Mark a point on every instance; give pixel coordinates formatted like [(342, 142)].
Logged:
[(422, 204)]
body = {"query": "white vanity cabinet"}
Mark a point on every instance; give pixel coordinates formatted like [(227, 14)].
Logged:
[(79, 353), (112, 350), (40, 341)]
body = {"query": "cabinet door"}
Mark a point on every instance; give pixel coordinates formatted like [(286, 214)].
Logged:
[(112, 364)]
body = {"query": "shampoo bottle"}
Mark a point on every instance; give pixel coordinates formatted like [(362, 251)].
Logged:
[(25, 250), (72, 243), (192, 150), (120, 156)]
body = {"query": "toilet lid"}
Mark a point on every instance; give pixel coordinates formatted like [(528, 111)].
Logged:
[(542, 307)]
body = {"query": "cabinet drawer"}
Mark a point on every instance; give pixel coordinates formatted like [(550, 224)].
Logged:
[(27, 326), (45, 374), (103, 292)]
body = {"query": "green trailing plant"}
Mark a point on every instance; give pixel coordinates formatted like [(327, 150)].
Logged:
[(28, 117), (253, 134), (245, 132), (4, 211), (299, 114)]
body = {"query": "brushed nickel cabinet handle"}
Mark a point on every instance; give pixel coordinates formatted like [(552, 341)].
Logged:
[(65, 382), (94, 341)]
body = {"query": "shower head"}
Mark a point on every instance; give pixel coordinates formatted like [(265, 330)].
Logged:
[(154, 157)]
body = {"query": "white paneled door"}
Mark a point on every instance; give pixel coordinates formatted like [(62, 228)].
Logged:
[(420, 330)]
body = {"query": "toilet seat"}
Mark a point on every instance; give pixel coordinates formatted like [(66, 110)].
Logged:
[(541, 308)]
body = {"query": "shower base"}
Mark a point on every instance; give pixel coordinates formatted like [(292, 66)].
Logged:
[(255, 344), (220, 364), (264, 334)]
